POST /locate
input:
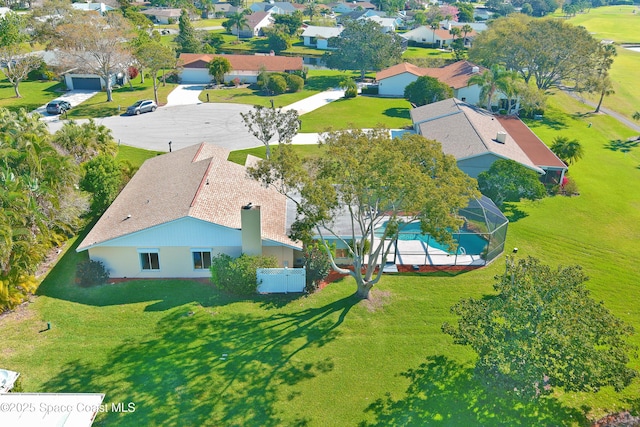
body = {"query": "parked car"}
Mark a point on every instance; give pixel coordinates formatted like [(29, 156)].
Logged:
[(58, 107), (142, 107)]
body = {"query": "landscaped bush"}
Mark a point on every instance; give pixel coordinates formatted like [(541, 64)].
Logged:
[(295, 83), (91, 273), (277, 84), (317, 266), (569, 187), (369, 90), (238, 275), (172, 77)]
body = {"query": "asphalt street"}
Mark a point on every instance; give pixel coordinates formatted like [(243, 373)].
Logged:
[(183, 125)]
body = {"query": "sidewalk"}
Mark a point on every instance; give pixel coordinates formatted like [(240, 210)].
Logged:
[(315, 101)]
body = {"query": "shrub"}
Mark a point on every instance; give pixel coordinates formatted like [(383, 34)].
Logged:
[(295, 83), (91, 273), (569, 187), (369, 90), (352, 92), (277, 84), (171, 77), (316, 264), (238, 276)]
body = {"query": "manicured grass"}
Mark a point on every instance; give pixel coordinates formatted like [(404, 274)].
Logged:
[(124, 96), (422, 52), (620, 24), (188, 355), (34, 93), (135, 156), (240, 156), (617, 23), (317, 81), (362, 111)]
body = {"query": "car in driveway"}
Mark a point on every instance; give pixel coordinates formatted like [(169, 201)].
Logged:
[(143, 106), (58, 106)]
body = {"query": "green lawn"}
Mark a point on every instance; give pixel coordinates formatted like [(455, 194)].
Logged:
[(34, 93), (187, 355), (124, 96), (362, 111), (317, 81), (422, 52), (620, 24)]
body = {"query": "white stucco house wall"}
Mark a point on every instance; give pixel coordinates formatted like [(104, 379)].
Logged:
[(393, 80), (183, 208), (255, 23), (318, 37)]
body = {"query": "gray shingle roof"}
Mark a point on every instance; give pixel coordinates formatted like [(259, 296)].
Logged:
[(196, 182), (466, 131)]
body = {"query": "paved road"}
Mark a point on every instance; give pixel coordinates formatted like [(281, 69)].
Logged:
[(183, 125), (619, 117)]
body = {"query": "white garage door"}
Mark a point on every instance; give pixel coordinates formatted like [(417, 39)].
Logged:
[(195, 75)]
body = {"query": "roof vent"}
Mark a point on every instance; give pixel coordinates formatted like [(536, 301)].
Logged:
[(501, 137), (475, 70)]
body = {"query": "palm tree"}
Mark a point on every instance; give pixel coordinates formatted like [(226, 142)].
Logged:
[(466, 29), (311, 10), (569, 151), (490, 81), (238, 20), (218, 67), (606, 88)]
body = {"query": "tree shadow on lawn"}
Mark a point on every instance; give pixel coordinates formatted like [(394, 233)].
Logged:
[(442, 392), (622, 146), (209, 368), (512, 212), (402, 113)]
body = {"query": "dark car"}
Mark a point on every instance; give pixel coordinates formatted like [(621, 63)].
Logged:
[(142, 107), (58, 107)]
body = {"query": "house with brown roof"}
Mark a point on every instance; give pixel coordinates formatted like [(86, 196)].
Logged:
[(165, 15), (477, 138), (393, 80), (181, 209), (195, 66)]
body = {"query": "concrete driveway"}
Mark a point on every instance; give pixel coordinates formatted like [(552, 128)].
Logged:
[(185, 95), (74, 97)]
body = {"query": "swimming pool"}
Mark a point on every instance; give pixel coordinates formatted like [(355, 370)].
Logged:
[(468, 243)]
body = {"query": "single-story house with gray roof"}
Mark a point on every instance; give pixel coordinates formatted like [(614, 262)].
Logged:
[(477, 138), (181, 209)]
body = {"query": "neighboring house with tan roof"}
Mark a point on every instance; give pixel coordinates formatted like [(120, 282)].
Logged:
[(195, 66), (393, 80), (181, 209), (346, 7), (163, 15), (477, 138)]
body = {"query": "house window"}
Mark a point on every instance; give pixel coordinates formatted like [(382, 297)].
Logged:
[(201, 259), (342, 253), (149, 260)]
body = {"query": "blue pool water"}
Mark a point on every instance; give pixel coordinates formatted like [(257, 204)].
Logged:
[(469, 243)]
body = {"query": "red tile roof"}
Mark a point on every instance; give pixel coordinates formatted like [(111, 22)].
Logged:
[(244, 62), (533, 147), (456, 75)]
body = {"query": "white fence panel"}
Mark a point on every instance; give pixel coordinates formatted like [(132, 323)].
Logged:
[(281, 280)]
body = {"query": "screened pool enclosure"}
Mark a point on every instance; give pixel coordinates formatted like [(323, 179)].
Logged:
[(479, 241)]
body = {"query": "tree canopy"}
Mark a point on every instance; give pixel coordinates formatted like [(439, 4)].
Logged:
[(543, 330), (155, 57), (568, 150), (218, 67), (15, 61), (547, 51), (376, 184), (187, 40), (509, 181), (363, 46), (267, 123), (427, 90)]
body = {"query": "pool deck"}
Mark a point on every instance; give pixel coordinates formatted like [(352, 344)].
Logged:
[(416, 252)]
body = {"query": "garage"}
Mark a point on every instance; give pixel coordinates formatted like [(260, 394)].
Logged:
[(195, 75), (86, 83)]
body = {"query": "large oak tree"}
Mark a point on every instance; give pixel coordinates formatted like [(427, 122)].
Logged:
[(364, 47), (96, 44), (548, 52), (376, 184), (543, 330)]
